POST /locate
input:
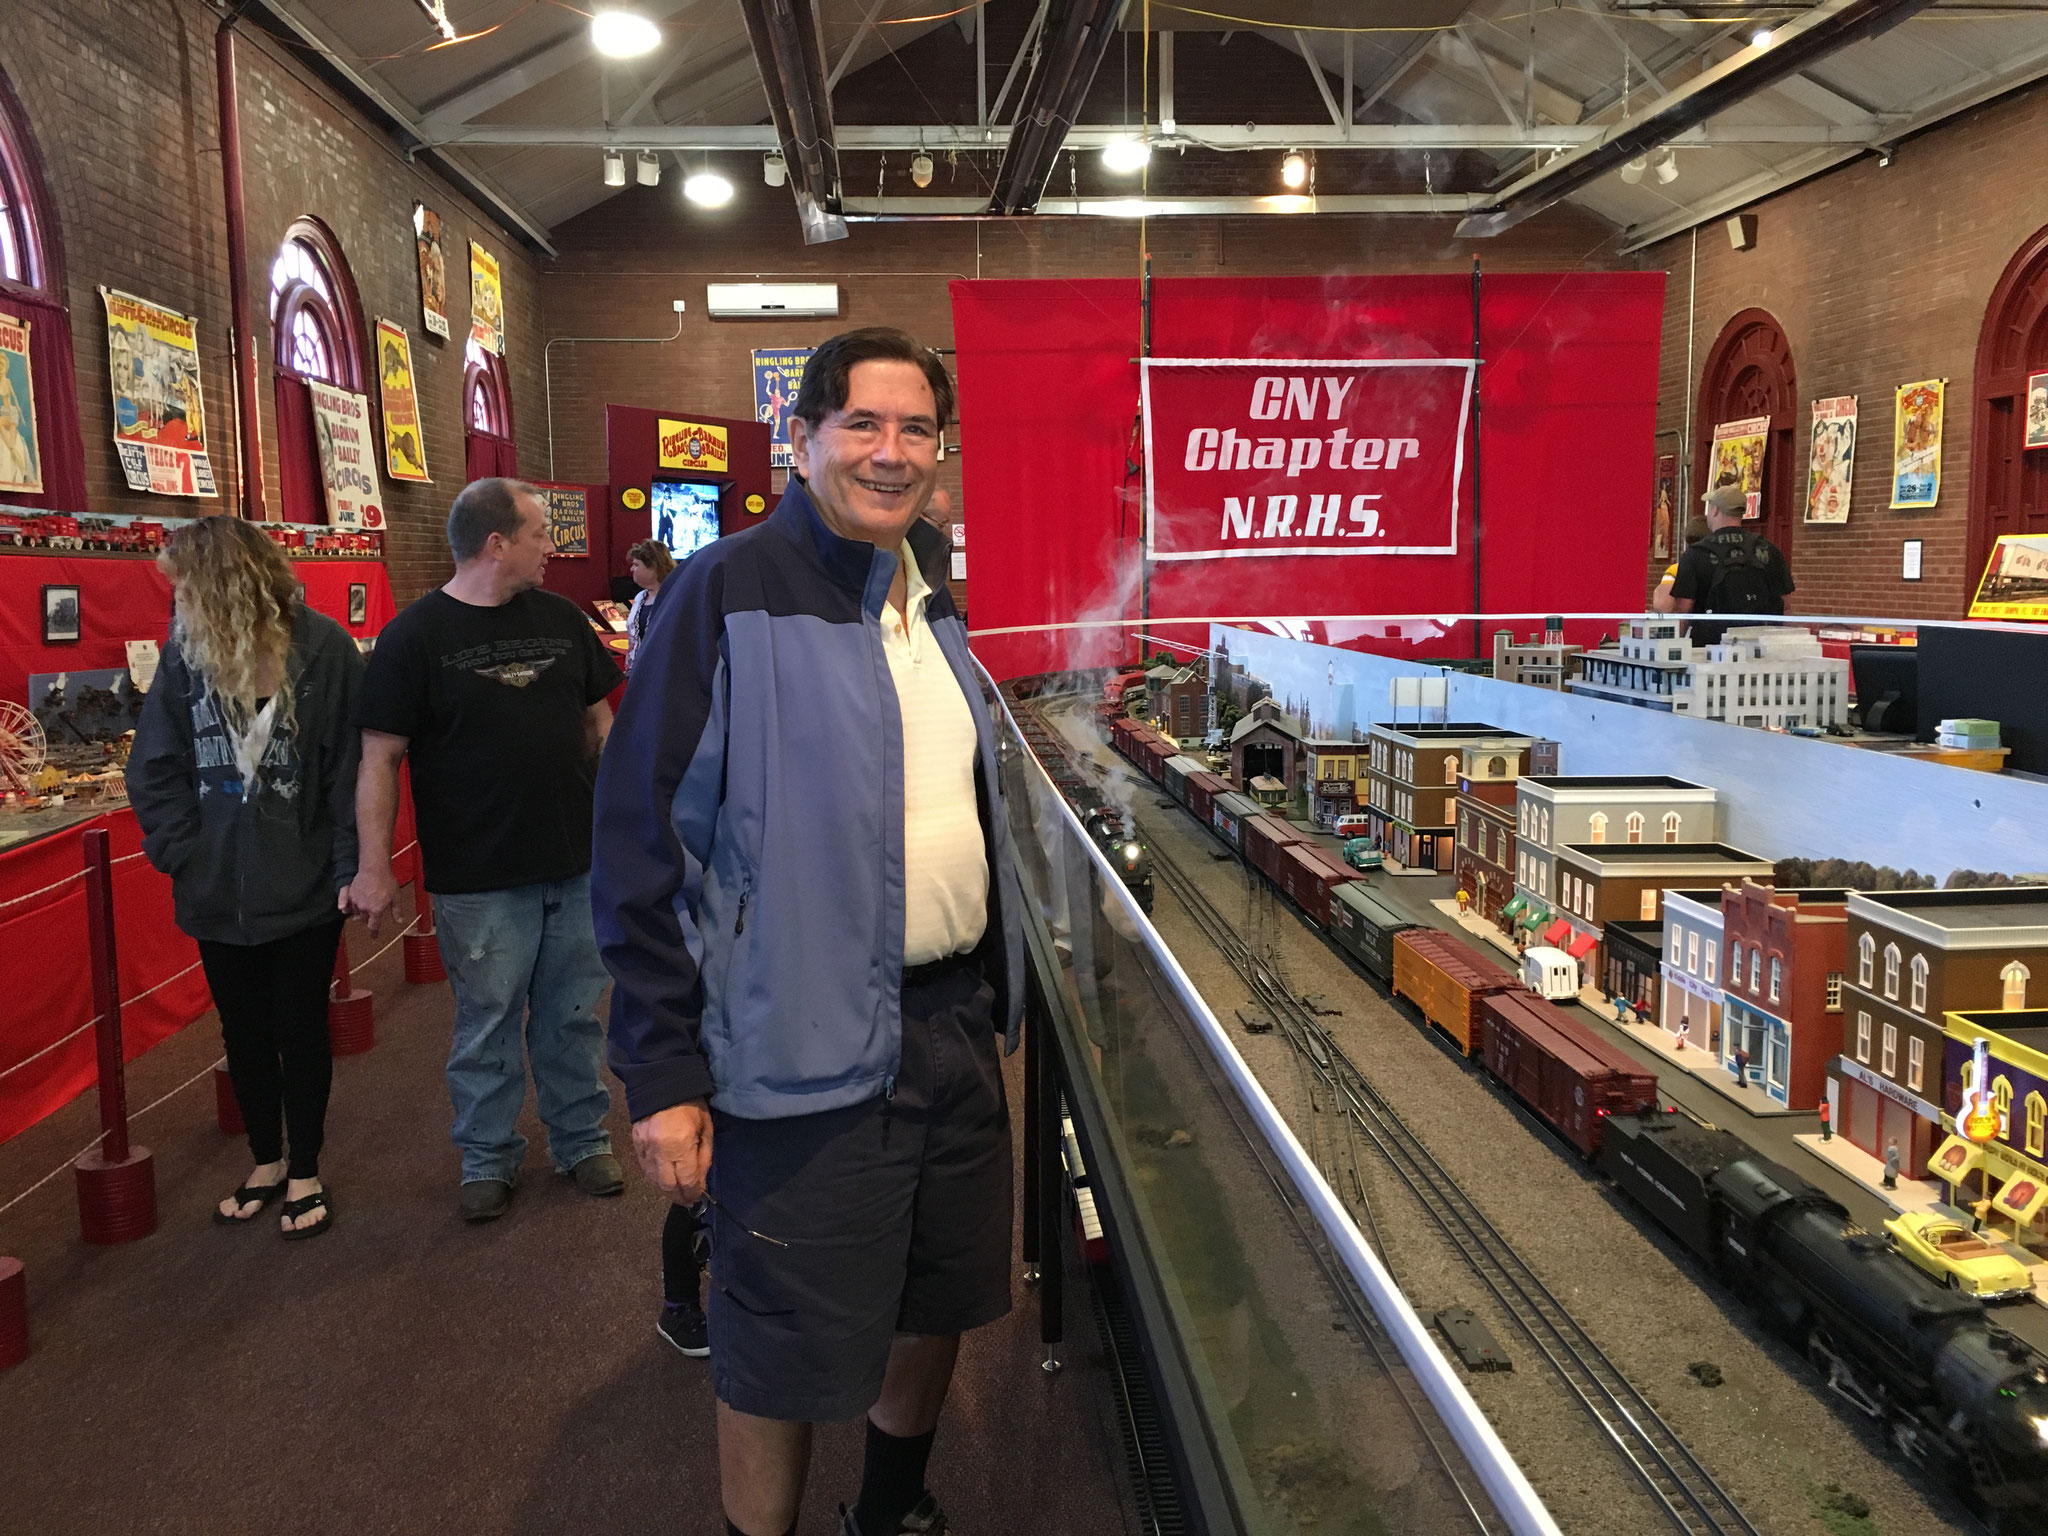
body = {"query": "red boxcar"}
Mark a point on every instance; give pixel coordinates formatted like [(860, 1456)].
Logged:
[(1203, 788), (1563, 1071), (1308, 875), (1447, 980), (1152, 755), (1264, 837)]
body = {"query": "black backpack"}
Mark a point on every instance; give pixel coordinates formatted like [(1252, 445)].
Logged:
[(1743, 573)]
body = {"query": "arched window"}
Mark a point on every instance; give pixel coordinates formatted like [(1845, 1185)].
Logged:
[(2006, 492), (1451, 768), (1671, 826), (316, 336), (1919, 970), (2001, 1101), (1866, 960), (2015, 978), (1597, 828), (1635, 827), (1749, 373), (2037, 1123), (486, 415), (42, 451), (1891, 972)]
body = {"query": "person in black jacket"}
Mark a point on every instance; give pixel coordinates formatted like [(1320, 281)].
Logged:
[(243, 778), (1734, 569)]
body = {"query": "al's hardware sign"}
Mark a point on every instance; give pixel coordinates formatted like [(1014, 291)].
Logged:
[(1279, 457)]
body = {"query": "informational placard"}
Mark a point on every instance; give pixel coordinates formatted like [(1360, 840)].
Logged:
[(348, 462), (1663, 505), (405, 449), (21, 462), (143, 656), (692, 445), (778, 373), (159, 415), (2037, 410), (959, 568), (568, 509), (1916, 443), (1831, 460), (426, 237), (2015, 584), (1250, 457), (486, 301), (1738, 459)]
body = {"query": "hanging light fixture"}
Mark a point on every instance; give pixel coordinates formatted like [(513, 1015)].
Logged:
[(623, 34), (648, 168), (921, 169), (1294, 169), (774, 169), (1125, 154), (1667, 167), (614, 168), (707, 189), (1633, 171)]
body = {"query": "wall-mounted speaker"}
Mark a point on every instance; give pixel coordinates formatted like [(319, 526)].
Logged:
[(1742, 231)]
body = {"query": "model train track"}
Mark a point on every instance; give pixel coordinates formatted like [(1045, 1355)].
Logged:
[(1668, 1469)]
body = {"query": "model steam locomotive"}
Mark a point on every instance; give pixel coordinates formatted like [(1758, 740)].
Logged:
[(1120, 844), (1958, 1395)]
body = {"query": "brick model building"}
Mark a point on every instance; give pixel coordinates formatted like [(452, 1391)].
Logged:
[(1485, 845), (1596, 882), (1913, 957), (1266, 743), (1781, 990), (1412, 774)]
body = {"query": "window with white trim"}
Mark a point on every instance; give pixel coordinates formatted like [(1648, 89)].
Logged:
[(1635, 827), (1649, 905), (2037, 1123), (1866, 959), (1888, 1058), (1671, 823), (1596, 828), (1916, 1062), (1692, 951), (1863, 1038), (1756, 967), (1735, 964), (1891, 972), (1919, 973), (1712, 949), (2015, 979), (1777, 974), (1834, 992)]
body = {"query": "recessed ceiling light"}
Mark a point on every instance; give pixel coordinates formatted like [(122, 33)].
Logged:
[(1126, 154), (623, 34), (707, 189)]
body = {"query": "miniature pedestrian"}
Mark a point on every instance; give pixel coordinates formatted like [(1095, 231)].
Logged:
[(1891, 1165), (1684, 1032), (1827, 1120), (1464, 900), (1741, 1066), (496, 692), (811, 996), (243, 779)]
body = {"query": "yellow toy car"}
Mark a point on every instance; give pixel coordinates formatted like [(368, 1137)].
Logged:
[(1957, 1257)]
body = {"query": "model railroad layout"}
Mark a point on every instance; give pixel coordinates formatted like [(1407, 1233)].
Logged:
[(1956, 1394)]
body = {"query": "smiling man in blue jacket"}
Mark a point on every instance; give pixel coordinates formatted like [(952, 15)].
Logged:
[(800, 865)]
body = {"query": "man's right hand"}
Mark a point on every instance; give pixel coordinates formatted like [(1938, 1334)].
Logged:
[(674, 1148), (372, 896)]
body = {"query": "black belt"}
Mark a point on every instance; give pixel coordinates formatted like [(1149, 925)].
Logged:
[(933, 970)]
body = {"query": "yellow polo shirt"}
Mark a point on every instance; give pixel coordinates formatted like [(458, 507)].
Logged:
[(945, 865)]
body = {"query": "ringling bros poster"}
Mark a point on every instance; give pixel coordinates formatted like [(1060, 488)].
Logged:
[(348, 457), (1831, 460), (1916, 444), (777, 374), (1738, 459), (1273, 457), (486, 301), (21, 463), (159, 417), (426, 239), (405, 450), (692, 445)]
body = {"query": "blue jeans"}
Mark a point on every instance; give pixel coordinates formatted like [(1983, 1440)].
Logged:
[(528, 954)]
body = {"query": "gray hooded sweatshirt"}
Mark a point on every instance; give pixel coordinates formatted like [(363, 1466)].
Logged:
[(252, 864)]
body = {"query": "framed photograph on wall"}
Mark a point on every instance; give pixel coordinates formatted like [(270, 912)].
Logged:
[(60, 615), (2037, 410), (358, 602)]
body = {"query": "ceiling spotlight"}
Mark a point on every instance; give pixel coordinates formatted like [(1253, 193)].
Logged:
[(1760, 38), (774, 169), (1126, 154), (1633, 171), (707, 189), (623, 34), (921, 169), (1667, 167), (614, 168), (1294, 169), (648, 168)]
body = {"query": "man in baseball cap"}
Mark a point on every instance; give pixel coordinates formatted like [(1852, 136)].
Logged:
[(1733, 569)]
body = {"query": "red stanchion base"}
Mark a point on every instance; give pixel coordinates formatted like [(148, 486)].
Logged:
[(116, 1201), (13, 1313), (423, 958), (226, 1108), (351, 1024)]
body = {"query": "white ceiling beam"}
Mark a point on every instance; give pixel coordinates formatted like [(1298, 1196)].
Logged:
[(1818, 99), (860, 34), (662, 80), (868, 209), (1484, 67), (1308, 57), (536, 68), (738, 74)]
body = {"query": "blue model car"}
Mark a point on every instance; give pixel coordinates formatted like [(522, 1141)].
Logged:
[(1362, 853)]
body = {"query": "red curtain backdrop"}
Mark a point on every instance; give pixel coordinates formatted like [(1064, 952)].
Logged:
[(301, 495), (1049, 403), (58, 438), (486, 454)]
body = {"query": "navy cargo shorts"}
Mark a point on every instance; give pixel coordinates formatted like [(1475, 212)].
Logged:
[(832, 1233)]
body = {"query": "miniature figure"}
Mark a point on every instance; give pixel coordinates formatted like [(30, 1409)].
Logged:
[(1827, 1121)]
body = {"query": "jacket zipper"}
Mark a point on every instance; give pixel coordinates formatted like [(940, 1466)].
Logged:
[(739, 925)]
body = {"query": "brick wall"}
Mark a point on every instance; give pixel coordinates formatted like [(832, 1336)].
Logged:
[(1879, 276), (120, 100)]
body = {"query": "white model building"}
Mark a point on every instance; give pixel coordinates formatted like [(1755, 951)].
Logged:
[(1768, 675), (1541, 662)]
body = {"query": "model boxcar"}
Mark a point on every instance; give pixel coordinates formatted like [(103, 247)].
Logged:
[(1446, 980), (1228, 814), (1264, 837), (1365, 928), (1203, 788), (1178, 769), (1309, 876), (1558, 1071)]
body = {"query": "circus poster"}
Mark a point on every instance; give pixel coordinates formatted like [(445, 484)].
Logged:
[(1738, 459), (159, 416), (21, 462), (1831, 460), (1916, 444)]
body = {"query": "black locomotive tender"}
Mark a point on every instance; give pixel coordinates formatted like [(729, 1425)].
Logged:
[(1958, 1395)]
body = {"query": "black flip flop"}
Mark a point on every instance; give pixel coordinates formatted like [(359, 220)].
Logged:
[(294, 1209), (262, 1194)]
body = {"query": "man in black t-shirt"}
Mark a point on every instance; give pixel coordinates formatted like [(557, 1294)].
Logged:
[(496, 690), (1734, 569)]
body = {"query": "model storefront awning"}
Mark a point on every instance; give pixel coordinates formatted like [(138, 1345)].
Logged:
[(1535, 918), (1956, 1159), (2020, 1197), (1515, 906), (1555, 934), (1578, 947)]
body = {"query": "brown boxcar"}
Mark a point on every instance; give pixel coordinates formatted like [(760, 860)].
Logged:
[(1203, 788), (1264, 837), (1563, 1071), (1308, 875), (1446, 980)]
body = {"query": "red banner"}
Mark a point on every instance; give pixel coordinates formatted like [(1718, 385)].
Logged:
[(1271, 457)]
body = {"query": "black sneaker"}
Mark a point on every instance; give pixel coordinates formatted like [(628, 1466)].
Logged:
[(684, 1327), (925, 1519)]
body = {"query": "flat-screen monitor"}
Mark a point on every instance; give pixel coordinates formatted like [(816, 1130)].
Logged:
[(1887, 681), (685, 515)]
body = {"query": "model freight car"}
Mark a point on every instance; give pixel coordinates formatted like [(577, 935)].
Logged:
[(1177, 771), (1560, 1069), (1309, 876), (1446, 980), (1228, 815), (1364, 929), (1264, 837), (1202, 790)]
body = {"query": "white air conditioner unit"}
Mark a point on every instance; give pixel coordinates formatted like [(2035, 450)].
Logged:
[(746, 301)]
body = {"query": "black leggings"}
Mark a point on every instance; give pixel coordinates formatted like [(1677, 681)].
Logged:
[(681, 1261), (272, 1000)]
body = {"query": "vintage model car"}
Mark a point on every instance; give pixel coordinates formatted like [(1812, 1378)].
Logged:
[(1957, 1257), (1363, 853)]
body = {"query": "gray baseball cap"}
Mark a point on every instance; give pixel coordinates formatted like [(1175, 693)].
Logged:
[(1726, 498)]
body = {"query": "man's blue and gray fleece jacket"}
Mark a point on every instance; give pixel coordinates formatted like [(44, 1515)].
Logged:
[(747, 875)]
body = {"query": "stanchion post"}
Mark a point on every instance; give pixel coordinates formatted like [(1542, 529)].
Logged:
[(13, 1313), (116, 1180), (422, 947), (351, 1020)]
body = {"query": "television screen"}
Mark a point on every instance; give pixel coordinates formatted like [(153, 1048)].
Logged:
[(685, 515)]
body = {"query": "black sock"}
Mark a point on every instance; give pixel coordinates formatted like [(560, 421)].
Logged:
[(679, 1267), (733, 1530), (891, 1480)]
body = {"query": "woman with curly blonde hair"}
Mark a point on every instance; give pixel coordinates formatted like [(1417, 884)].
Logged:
[(649, 563), (243, 779)]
